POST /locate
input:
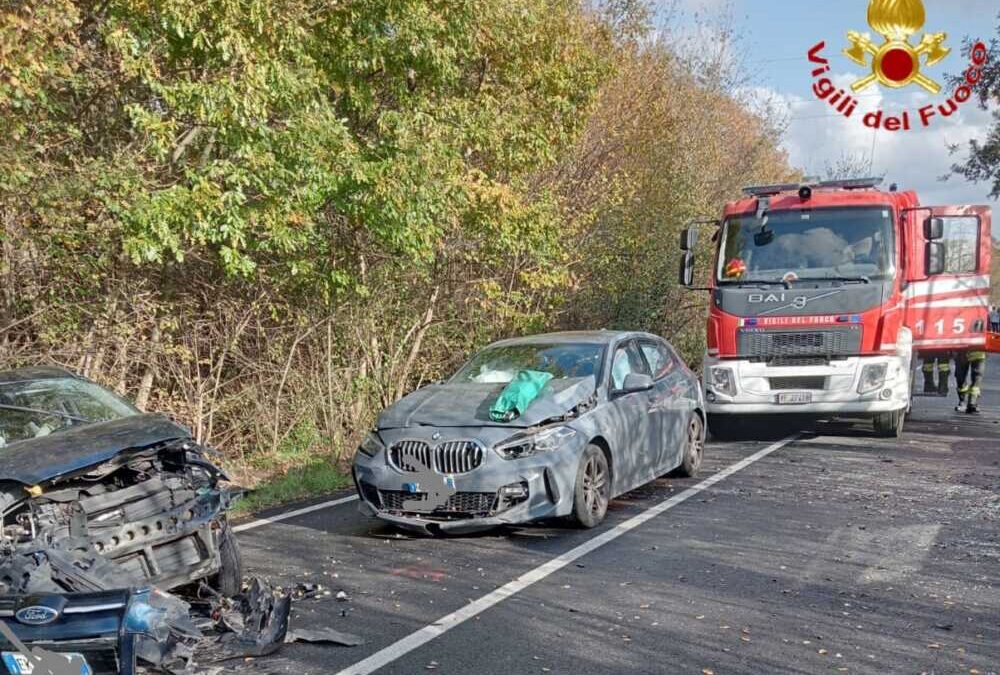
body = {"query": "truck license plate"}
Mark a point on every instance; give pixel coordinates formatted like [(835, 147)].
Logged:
[(794, 398), (19, 664)]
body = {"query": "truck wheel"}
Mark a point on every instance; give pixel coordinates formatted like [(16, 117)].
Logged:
[(229, 580), (694, 449), (890, 424), (593, 488)]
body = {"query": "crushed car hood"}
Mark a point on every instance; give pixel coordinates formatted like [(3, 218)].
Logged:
[(468, 405), (42, 459)]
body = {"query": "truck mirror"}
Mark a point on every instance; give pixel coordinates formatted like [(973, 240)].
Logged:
[(686, 276), (934, 258), (934, 229), (689, 239)]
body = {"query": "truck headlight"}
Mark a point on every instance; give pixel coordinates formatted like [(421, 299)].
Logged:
[(372, 445), (723, 380), (535, 444), (872, 377)]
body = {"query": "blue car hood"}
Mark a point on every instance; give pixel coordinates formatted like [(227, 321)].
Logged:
[(38, 460)]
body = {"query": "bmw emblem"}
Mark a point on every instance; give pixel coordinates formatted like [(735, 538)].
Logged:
[(36, 615), (436, 436)]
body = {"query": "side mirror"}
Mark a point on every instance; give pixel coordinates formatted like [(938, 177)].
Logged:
[(689, 239), (686, 276), (934, 257), (635, 382), (934, 229)]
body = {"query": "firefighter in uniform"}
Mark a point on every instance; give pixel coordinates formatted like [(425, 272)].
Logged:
[(972, 362), (940, 363)]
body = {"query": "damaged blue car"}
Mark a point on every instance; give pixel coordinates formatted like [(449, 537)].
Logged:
[(537, 427), (102, 510)]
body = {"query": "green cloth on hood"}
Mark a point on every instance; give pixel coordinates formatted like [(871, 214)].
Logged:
[(518, 395)]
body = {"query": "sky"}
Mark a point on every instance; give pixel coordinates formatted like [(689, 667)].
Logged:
[(775, 37)]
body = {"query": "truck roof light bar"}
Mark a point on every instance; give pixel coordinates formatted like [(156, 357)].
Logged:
[(851, 183), (845, 184)]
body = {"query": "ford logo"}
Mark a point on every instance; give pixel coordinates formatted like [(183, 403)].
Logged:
[(36, 615)]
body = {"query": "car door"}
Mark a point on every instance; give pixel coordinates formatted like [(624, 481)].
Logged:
[(636, 439), (669, 403)]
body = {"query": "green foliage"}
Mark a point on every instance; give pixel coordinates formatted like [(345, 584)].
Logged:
[(271, 218)]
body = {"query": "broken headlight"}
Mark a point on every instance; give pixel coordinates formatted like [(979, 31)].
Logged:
[(371, 446), (872, 377), (535, 444)]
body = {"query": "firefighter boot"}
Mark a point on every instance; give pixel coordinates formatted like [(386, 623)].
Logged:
[(962, 393), (973, 408)]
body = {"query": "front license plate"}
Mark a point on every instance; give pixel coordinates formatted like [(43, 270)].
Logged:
[(795, 398), (19, 664)]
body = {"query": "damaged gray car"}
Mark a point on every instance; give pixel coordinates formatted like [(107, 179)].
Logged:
[(99, 501), (538, 427)]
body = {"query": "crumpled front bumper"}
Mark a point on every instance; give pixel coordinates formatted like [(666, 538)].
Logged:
[(550, 479), (89, 624)]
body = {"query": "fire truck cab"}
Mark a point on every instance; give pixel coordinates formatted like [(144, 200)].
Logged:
[(822, 294)]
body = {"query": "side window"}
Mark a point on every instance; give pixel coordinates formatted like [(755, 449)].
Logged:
[(961, 244), (660, 360), (627, 360)]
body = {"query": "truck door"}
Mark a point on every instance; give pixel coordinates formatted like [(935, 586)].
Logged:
[(947, 268)]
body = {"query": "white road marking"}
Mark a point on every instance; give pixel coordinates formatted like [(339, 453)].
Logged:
[(254, 524), (421, 637)]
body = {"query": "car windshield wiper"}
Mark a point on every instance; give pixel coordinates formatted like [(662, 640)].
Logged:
[(39, 411)]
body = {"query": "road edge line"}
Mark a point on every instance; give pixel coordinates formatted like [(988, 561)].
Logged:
[(261, 522), (417, 639)]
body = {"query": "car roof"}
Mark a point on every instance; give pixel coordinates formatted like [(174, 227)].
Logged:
[(598, 337), (34, 373)]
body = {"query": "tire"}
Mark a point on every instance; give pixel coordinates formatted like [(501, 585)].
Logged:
[(694, 448), (890, 424), (593, 488), (229, 580)]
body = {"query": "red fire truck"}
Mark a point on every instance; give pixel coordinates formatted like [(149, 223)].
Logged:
[(822, 295)]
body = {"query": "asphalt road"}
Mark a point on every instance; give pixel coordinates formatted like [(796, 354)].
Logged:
[(836, 552)]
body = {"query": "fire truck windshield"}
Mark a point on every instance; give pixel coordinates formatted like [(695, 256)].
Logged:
[(814, 244)]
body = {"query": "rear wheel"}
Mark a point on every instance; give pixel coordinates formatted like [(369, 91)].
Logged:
[(890, 424), (694, 448), (593, 488)]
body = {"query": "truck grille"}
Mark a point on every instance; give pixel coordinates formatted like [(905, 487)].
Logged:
[(476, 503), (762, 344), (449, 457), (785, 383)]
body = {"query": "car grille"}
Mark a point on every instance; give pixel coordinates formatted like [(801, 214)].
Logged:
[(476, 503), (785, 383), (102, 658), (450, 457), (761, 344)]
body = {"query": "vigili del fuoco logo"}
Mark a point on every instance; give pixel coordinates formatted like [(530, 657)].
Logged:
[(896, 62)]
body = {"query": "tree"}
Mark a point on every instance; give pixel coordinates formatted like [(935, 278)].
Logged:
[(983, 162)]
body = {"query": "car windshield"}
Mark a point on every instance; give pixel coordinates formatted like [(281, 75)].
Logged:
[(830, 243), (499, 365), (36, 408)]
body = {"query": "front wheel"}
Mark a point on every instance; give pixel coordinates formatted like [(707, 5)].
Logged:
[(694, 448), (593, 488), (229, 580), (890, 424)]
